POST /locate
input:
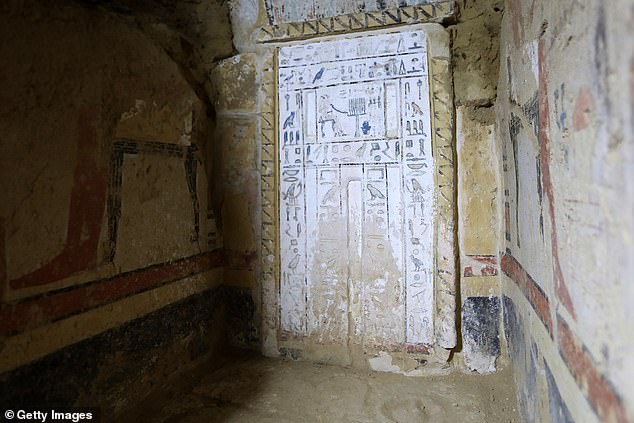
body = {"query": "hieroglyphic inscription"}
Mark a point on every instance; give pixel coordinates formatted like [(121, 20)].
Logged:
[(356, 189)]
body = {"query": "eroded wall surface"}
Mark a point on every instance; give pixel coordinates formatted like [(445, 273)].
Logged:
[(475, 60), (234, 90), (565, 127), (194, 33), (108, 245)]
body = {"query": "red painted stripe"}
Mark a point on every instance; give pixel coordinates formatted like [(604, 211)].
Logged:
[(87, 204), (484, 259), (488, 265), (484, 271), (37, 311), (535, 295), (544, 160), (598, 390), (417, 349)]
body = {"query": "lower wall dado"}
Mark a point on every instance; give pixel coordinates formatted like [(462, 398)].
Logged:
[(548, 360), (118, 366), (110, 353), (56, 305)]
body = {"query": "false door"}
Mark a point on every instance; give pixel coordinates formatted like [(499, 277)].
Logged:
[(356, 191)]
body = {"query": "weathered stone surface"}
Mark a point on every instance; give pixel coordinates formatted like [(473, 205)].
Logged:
[(443, 139), (481, 332), (64, 164), (108, 171), (104, 197), (475, 64), (476, 52), (242, 328), (239, 237), (233, 84), (444, 146), (195, 34), (171, 122), (153, 227), (237, 138), (477, 182), (309, 392), (385, 16), (285, 11)]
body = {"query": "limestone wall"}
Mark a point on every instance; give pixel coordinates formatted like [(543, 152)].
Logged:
[(474, 63), (475, 54), (234, 90), (564, 130), (109, 253)]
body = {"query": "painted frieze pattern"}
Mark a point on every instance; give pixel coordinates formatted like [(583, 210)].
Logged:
[(284, 11), (305, 24)]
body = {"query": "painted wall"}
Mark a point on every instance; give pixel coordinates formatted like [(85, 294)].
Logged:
[(247, 19), (357, 200), (475, 60), (565, 125), (108, 251)]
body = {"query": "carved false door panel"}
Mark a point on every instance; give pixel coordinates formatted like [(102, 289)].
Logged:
[(356, 190)]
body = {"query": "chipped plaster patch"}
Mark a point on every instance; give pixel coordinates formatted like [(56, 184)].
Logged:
[(139, 107)]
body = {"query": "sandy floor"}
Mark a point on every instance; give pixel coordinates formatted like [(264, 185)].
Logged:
[(256, 389)]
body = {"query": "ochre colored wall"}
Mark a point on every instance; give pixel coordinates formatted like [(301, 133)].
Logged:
[(565, 126), (105, 214), (234, 89), (475, 60)]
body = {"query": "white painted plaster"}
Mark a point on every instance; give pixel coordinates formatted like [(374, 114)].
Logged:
[(356, 189)]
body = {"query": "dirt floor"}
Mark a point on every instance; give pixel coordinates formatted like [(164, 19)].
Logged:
[(256, 389)]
